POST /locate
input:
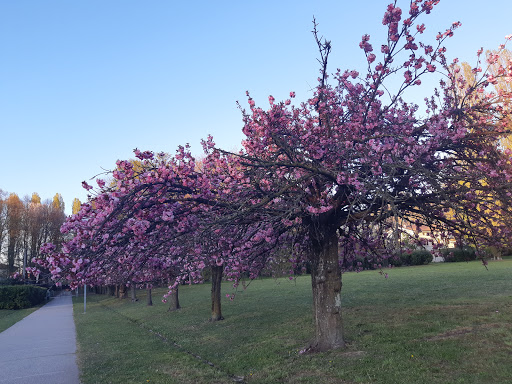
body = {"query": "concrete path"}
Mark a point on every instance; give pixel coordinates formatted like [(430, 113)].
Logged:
[(41, 348)]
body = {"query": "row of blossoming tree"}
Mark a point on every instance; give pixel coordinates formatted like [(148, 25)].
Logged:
[(322, 182)]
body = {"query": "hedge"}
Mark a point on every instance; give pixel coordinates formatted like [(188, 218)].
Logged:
[(458, 254), (416, 257), (21, 296), (9, 281)]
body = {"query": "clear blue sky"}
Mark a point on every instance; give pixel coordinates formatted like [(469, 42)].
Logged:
[(83, 83)]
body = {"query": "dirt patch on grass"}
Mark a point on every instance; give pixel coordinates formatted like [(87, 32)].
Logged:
[(461, 331), (188, 375), (352, 354), (315, 376)]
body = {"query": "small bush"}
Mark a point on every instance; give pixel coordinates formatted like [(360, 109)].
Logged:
[(396, 260), (20, 296), (458, 254), (417, 257), (421, 257)]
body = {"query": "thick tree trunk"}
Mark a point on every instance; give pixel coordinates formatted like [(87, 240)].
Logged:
[(133, 290), (173, 300), (116, 291), (326, 284), (109, 290), (216, 292), (149, 298)]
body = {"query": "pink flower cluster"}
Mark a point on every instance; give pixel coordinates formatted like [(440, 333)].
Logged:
[(346, 162)]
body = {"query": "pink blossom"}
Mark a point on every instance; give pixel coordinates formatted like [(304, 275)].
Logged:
[(491, 79), (331, 170)]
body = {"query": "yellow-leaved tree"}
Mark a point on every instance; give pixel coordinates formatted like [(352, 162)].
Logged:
[(15, 213), (492, 80), (57, 217), (76, 206), (502, 59)]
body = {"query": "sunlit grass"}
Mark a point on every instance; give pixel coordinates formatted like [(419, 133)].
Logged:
[(444, 323)]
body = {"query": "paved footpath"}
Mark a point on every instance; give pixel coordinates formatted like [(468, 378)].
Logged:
[(41, 348)]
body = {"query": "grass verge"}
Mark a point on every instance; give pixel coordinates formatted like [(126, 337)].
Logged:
[(9, 317), (442, 323)]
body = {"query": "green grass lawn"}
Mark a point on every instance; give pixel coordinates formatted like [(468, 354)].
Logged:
[(442, 323), (9, 317)]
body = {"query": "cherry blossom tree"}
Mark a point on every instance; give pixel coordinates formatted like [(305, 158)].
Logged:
[(320, 182)]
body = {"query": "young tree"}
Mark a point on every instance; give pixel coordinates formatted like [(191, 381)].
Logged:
[(338, 169), (56, 219), (3, 219), (76, 206), (34, 227), (15, 212)]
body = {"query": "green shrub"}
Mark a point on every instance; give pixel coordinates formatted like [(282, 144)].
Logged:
[(396, 260), (21, 296), (417, 257), (458, 254), (421, 257), (9, 281)]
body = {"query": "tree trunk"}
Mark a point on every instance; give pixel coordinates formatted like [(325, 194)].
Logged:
[(123, 292), (149, 299), (116, 291), (326, 284), (216, 292), (133, 290), (11, 255), (174, 302)]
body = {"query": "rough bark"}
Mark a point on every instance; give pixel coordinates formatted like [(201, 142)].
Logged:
[(133, 290), (216, 292), (149, 298), (326, 284)]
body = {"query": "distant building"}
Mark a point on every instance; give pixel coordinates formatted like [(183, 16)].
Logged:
[(427, 237)]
